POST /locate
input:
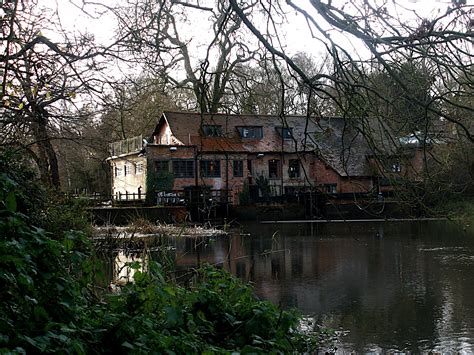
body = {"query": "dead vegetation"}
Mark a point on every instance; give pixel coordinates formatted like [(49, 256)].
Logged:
[(142, 228)]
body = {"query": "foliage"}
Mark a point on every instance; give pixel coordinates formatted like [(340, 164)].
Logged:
[(44, 303), (264, 186), (459, 210), (244, 195), (157, 181), (49, 303), (30, 197), (65, 214), (217, 314)]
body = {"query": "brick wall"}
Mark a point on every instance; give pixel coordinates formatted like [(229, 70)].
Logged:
[(311, 170), (356, 184)]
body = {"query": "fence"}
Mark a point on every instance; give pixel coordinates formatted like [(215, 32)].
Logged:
[(129, 196), (126, 146)]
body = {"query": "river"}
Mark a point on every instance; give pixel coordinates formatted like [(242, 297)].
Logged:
[(384, 286)]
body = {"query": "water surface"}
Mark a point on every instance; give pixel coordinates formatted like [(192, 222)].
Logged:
[(389, 287), (400, 286)]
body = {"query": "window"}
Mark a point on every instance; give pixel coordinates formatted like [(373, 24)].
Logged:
[(212, 130), (118, 171), (249, 165), (294, 168), (183, 168), (128, 169), (285, 132), (238, 168), (396, 167), (273, 169), (293, 190), (210, 168), (330, 188), (255, 132), (161, 166), (139, 168)]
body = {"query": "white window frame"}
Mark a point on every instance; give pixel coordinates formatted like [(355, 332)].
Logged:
[(128, 169)]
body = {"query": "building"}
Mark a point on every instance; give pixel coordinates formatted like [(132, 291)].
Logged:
[(266, 155)]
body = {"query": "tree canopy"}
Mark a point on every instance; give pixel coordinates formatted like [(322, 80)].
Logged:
[(367, 61)]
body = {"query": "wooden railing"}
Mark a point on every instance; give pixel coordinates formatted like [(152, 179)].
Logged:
[(126, 146), (169, 197), (129, 196)]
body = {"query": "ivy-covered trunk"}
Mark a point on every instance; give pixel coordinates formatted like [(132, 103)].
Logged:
[(156, 182)]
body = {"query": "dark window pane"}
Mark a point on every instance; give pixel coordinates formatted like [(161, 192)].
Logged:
[(183, 168), (273, 169), (254, 132), (294, 168), (210, 168), (331, 188), (238, 168), (396, 167), (285, 132), (212, 130), (161, 166)]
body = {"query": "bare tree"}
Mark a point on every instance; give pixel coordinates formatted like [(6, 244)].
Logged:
[(134, 106), (46, 83), (160, 35), (443, 43)]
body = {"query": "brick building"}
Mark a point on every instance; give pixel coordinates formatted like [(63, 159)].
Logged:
[(270, 154)]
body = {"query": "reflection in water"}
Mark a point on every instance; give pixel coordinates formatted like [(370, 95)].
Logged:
[(393, 286), (125, 267)]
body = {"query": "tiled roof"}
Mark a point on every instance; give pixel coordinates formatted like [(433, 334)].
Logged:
[(342, 148)]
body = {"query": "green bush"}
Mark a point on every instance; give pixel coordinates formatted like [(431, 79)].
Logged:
[(156, 182), (244, 195), (217, 314)]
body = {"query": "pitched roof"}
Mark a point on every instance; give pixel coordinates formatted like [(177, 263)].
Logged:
[(341, 147)]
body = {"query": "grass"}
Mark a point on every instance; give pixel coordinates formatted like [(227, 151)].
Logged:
[(461, 211)]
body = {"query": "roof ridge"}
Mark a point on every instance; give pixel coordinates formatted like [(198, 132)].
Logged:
[(249, 114)]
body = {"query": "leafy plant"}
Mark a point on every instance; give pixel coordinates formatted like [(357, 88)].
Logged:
[(244, 195), (157, 181), (264, 186)]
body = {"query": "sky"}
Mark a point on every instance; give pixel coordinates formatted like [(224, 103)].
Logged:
[(102, 26), (295, 32)]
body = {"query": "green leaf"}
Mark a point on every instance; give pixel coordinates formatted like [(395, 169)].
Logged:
[(40, 313), (10, 202), (68, 244), (135, 265), (126, 344)]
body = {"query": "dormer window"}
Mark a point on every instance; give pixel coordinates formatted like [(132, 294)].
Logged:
[(396, 167), (251, 132), (212, 130), (285, 132)]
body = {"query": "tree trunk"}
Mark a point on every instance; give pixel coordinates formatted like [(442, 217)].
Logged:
[(48, 161)]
